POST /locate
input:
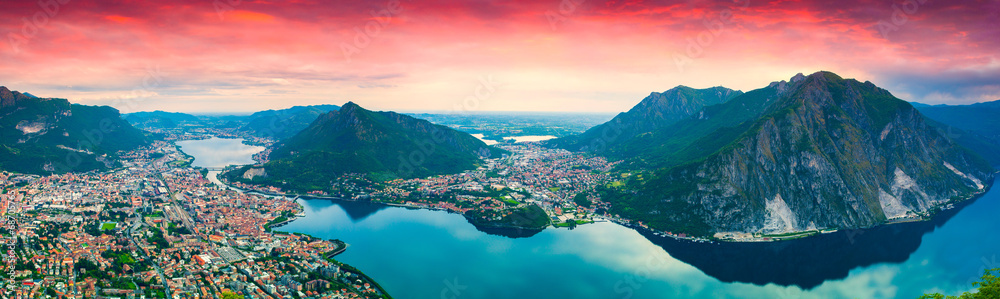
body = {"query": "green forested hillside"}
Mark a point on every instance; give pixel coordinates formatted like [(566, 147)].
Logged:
[(355, 140), (39, 135)]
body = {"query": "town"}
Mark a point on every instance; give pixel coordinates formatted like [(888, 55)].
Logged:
[(501, 192), (157, 228)]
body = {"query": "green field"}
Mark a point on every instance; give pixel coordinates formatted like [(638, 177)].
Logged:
[(108, 226), (792, 235)]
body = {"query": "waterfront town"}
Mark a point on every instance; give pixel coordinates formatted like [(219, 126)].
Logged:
[(157, 228), (559, 182)]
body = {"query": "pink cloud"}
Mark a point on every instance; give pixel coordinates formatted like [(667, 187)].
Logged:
[(607, 53)]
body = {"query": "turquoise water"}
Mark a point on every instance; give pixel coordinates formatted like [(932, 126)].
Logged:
[(431, 254), (435, 254)]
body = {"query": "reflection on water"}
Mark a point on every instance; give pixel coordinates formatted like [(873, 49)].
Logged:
[(806, 262), (507, 232), (412, 252), (357, 210)]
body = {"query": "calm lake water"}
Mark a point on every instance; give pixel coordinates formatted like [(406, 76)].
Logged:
[(487, 141), (219, 152), (435, 254), (531, 138)]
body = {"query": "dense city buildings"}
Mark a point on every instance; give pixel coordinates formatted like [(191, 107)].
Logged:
[(157, 228)]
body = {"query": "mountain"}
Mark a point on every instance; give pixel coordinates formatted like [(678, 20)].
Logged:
[(824, 152), (281, 124), (976, 126), (656, 111), (355, 140), (44, 135), (160, 119), (277, 124)]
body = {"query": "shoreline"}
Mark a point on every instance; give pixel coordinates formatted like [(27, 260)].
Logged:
[(791, 236), (388, 204), (755, 237), (933, 213)]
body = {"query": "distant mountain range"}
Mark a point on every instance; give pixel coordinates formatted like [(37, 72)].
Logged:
[(44, 135), (284, 123), (275, 124), (356, 140), (160, 119), (976, 126), (817, 152)]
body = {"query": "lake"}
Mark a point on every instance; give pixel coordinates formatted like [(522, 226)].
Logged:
[(219, 152), (436, 254), (487, 141), (531, 138)]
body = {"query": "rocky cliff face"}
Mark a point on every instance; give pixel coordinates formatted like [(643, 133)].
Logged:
[(830, 153)]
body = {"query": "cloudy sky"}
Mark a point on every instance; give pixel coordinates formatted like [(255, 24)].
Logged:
[(532, 55)]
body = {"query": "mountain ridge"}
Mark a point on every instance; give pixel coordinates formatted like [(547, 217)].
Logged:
[(51, 135), (284, 123), (976, 126), (658, 110), (829, 153), (356, 140)]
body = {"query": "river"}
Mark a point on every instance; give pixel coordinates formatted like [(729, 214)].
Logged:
[(436, 254)]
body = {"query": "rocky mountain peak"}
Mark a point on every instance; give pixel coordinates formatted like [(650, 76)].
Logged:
[(798, 77), (783, 86), (828, 153), (681, 101), (349, 107), (10, 98)]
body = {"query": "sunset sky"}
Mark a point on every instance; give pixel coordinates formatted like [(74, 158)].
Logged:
[(537, 55)]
